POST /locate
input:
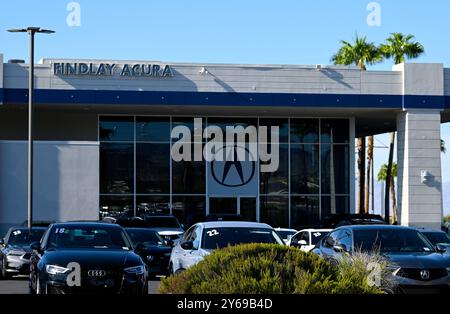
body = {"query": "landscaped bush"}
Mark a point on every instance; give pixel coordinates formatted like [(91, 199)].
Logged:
[(267, 269)]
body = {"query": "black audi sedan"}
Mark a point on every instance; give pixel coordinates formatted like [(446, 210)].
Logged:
[(416, 266), (84, 257), (152, 248), (15, 250)]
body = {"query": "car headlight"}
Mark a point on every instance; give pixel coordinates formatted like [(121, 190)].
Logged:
[(394, 269), (15, 253), (56, 270), (135, 270)]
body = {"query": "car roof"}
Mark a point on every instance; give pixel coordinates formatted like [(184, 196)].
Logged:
[(316, 230), (233, 224), (430, 230), (86, 224), (285, 229), (376, 227)]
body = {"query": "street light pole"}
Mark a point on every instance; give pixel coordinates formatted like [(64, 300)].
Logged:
[(31, 31)]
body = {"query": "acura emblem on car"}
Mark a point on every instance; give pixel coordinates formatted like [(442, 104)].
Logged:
[(96, 273), (425, 274)]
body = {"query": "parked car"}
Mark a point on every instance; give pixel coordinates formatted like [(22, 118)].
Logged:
[(152, 248), (202, 238), (285, 233), (437, 238), (167, 226), (337, 220), (307, 239), (415, 264), (15, 250), (86, 257)]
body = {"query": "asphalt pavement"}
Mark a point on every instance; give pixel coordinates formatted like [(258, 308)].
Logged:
[(19, 285)]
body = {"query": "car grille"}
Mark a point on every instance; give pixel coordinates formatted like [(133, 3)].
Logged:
[(416, 273)]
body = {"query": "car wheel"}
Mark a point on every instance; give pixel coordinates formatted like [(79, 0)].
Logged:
[(4, 273)]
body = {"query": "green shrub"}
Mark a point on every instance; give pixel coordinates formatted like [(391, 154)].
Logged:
[(446, 218), (265, 269)]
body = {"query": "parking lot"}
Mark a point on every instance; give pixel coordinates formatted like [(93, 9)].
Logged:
[(19, 285)]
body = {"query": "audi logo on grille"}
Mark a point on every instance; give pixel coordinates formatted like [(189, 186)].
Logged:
[(97, 273)]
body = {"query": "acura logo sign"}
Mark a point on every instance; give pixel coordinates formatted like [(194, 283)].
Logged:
[(97, 273), (424, 274), (223, 171)]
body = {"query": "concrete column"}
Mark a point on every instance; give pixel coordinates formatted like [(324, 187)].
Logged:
[(418, 153), (1, 79)]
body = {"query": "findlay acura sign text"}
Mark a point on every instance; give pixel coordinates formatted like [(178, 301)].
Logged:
[(110, 69)]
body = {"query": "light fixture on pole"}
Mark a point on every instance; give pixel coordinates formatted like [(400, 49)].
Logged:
[(31, 31)]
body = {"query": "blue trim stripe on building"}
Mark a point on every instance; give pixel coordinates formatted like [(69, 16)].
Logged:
[(63, 96)]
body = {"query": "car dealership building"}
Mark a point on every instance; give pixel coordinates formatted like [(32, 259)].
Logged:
[(103, 138)]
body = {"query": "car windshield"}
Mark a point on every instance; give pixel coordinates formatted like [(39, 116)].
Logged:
[(162, 222), (285, 233), (94, 237), (216, 238), (145, 237), (437, 237), (316, 236), (390, 240), (22, 237)]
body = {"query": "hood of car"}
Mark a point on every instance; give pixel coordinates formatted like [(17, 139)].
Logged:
[(420, 260), (24, 248), (156, 249), (92, 258)]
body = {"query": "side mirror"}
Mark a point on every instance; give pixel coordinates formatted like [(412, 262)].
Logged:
[(139, 248), (2, 241), (302, 243), (35, 246), (187, 245), (340, 248), (441, 248)]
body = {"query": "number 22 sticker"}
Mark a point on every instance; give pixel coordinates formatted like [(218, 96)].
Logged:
[(212, 233)]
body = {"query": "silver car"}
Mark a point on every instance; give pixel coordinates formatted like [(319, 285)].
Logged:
[(204, 237)]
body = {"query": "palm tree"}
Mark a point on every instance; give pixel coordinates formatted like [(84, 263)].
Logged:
[(399, 46), (369, 168), (359, 53), (382, 175)]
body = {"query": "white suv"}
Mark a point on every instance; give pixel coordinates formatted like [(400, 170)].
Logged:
[(204, 237)]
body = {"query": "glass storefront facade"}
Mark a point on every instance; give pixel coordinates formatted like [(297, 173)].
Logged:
[(138, 175)]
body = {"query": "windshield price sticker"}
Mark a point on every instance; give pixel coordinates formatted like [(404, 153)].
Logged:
[(60, 230), (317, 234), (212, 233), (17, 232)]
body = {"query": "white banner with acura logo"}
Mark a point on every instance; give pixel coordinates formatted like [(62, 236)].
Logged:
[(235, 175)]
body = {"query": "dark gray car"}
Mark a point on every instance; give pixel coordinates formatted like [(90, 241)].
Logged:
[(416, 265), (15, 250)]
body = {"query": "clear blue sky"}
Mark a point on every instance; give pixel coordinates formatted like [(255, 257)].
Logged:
[(231, 31)]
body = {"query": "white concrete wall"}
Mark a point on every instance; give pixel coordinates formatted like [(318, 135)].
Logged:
[(221, 78), (418, 149), (425, 79), (66, 182)]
